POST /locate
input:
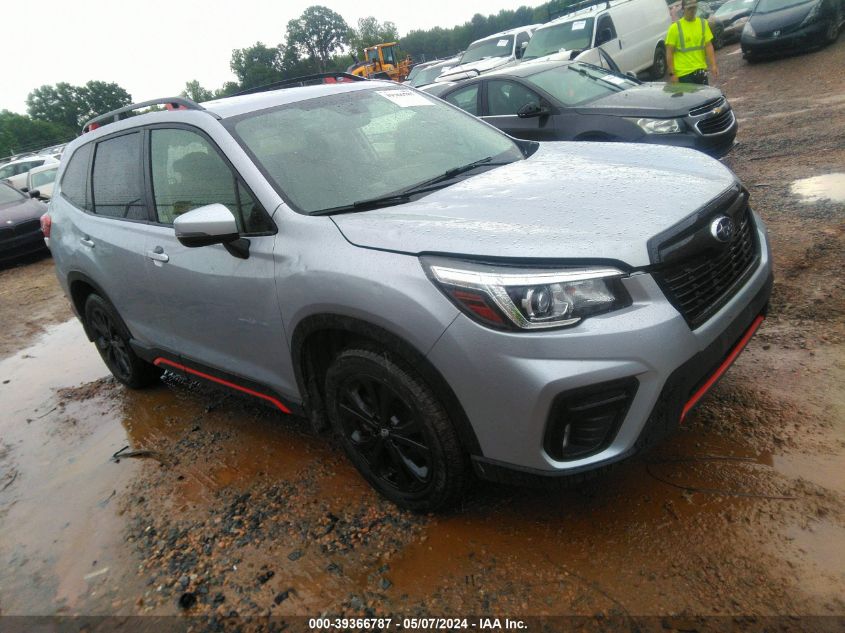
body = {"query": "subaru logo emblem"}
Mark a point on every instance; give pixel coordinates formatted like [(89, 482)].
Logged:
[(722, 228)]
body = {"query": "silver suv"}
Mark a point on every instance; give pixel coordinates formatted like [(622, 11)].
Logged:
[(447, 298)]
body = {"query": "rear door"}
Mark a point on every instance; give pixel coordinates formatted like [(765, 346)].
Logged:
[(504, 98), (108, 223), (216, 310)]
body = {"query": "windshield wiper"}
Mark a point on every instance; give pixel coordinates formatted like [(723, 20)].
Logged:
[(432, 184)]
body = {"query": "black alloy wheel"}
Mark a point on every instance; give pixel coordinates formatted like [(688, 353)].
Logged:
[(112, 340), (387, 433), (395, 430), (658, 67)]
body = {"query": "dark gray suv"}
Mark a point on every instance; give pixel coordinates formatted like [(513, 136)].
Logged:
[(445, 297)]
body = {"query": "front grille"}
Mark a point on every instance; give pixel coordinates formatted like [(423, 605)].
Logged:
[(706, 107), (30, 226), (702, 283), (716, 124)]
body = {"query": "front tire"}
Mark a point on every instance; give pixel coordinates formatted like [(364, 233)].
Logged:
[(831, 34), (395, 430), (111, 338), (658, 67)]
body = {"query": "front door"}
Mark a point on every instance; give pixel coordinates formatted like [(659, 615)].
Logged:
[(216, 310)]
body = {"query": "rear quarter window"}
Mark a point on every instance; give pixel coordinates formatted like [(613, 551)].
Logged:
[(74, 184), (116, 178)]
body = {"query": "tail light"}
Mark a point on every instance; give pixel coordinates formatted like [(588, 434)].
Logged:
[(46, 224)]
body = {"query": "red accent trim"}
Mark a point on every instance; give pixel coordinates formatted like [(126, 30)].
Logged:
[(274, 401), (698, 395)]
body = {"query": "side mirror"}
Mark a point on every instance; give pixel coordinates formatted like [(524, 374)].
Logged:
[(604, 36), (631, 74), (32, 194), (530, 110), (520, 51), (203, 226)]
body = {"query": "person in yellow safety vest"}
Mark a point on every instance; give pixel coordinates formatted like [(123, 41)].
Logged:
[(689, 48)]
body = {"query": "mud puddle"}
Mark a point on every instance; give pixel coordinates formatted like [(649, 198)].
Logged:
[(818, 188)]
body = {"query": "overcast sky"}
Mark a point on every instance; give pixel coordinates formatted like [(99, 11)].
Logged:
[(152, 48)]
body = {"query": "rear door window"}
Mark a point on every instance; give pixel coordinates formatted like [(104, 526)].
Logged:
[(507, 97), (117, 184)]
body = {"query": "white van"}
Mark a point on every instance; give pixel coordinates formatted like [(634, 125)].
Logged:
[(490, 52), (632, 32)]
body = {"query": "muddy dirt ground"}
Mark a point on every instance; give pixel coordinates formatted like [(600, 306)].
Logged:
[(231, 509)]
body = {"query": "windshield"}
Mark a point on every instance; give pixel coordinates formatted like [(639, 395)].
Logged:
[(733, 6), (767, 6), (8, 194), (43, 178), (567, 36), (494, 47), (428, 75), (336, 150), (578, 83)]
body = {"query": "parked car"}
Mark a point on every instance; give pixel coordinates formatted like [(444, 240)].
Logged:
[(780, 26), (474, 301), (727, 22), (632, 32), (39, 181), (489, 53), (15, 172), (565, 101), (20, 224), (430, 73)]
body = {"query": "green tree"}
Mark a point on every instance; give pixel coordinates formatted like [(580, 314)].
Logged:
[(318, 33), (371, 32), (20, 133), (227, 90), (195, 92), (71, 106), (256, 65)]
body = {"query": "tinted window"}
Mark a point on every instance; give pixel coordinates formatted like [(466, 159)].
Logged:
[(118, 191), (507, 97), (189, 173), (605, 31), (465, 98), (521, 39), (75, 178)]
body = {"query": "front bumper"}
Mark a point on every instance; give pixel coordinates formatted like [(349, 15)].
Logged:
[(14, 247), (716, 145), (806, 37), (508, 382)]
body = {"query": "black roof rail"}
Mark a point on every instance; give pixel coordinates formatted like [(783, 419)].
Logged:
[(576, 6), (175, 103), (305, 80)]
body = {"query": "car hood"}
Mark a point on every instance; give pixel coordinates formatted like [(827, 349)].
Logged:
[(18, 211), (482, 66), (568, 200), (658, 99), (764, 22)]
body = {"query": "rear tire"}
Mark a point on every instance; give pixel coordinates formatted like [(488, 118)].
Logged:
[(831, 34), (395, 430), (658, 67), (112, 340), (718, 37)]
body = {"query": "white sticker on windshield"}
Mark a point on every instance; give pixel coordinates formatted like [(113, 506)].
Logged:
[(615, 79), (502, 43), (579, 25), (405, 98)]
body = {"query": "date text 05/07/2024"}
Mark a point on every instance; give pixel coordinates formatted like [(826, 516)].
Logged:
[(431, 624)]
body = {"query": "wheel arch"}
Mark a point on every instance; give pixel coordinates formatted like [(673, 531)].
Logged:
[(80, 287), (317, 340)]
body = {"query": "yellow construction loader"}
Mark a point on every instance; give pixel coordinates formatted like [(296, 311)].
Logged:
[(380, 63)]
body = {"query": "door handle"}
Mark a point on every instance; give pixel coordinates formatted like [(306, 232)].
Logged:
[(158, 255), (86, 242)]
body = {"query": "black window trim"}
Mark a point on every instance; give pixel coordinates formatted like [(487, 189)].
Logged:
[(545, 98), (148, 173)]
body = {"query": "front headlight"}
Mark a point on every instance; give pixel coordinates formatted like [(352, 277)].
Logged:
[(527, 299), (658, 126), (748, 30)]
